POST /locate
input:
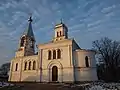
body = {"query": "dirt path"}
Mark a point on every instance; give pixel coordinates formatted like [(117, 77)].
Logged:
[(42, 86)]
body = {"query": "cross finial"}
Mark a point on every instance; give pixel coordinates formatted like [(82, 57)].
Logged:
[(61, 20), (30, 18)]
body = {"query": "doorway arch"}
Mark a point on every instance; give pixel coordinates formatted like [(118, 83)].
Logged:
[(59, 70), (54, 73)]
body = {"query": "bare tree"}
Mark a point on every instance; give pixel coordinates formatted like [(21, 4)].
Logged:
[(4, 69), (109, 51)]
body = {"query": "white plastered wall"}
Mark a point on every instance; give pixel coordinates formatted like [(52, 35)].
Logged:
[(30, 75), (83, 73), (24, 75), (15, 75), (65, 71)]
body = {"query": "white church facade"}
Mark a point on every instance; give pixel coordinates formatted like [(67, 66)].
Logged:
[(60, 60)]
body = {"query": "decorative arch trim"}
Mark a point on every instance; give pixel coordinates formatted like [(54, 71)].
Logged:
[(54, 63)]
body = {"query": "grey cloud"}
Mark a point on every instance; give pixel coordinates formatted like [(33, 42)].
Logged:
[(86, 20)]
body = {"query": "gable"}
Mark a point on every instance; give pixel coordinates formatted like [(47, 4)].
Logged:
[(65, 42)]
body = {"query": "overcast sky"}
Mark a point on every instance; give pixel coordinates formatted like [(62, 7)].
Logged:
[(87, 20)]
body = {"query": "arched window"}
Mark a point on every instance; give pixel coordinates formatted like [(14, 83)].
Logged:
[(25, 66), (16, 67), (34, 65), (54, 54), (86, 61), (49, 55), (57, 34), (22, 42), (58, 54), (29, 66)]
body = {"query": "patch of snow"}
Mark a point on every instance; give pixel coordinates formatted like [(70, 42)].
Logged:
[(3, 84), (99, 86)]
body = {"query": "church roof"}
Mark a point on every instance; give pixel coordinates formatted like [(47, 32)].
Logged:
[(29, 32), (51, 42), (61, 24), (86, 50)]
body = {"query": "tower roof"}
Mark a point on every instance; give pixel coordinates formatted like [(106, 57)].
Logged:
[(29, 32), (61, 24)]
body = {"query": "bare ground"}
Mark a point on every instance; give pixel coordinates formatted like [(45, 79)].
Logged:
[(44, 86)]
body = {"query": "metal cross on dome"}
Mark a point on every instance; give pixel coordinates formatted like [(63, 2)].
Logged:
[(30, 18)]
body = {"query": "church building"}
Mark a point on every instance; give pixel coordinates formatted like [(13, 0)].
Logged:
[(59, 60)]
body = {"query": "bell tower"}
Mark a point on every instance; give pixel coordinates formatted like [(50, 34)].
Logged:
[(61, 32), (26, 42)]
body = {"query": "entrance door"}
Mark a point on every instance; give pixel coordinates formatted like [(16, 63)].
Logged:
[(54, 73)]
